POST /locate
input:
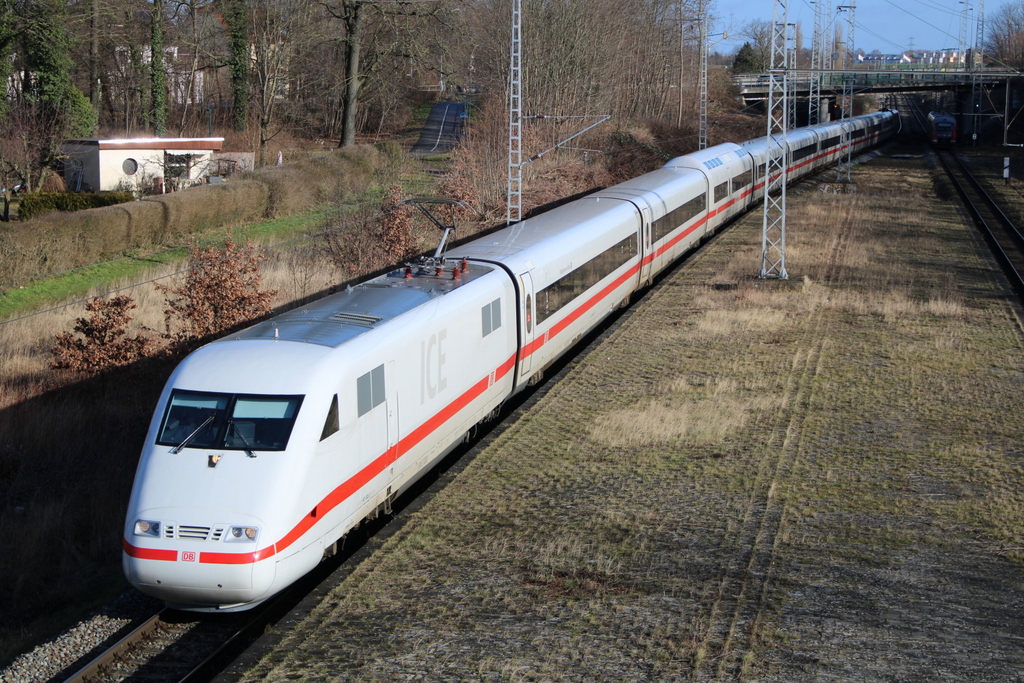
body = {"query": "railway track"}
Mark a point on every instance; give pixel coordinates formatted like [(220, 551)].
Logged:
[(167, 646), (177, 646), (186, 647), (1001, 234)]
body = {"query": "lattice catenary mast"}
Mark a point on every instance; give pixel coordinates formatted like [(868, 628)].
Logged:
[(817, 63), (849, 57), (978, 63), (702, 27), (514, 203), (773, 231)]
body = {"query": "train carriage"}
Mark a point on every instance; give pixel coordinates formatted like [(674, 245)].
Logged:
[(673, 206), (574, 265), (376, 384), (942, 128), (269, 445)]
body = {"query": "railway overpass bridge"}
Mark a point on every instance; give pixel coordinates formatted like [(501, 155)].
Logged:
[(754, 88)]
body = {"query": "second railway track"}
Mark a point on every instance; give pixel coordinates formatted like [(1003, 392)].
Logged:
[(1001, 233)]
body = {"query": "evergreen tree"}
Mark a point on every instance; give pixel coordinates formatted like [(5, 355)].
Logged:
[(44, 46), (747, 61), (158, 73), (43, 108), (236, 16), (8, 33)]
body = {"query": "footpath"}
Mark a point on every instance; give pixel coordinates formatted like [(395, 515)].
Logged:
[(813, 480)]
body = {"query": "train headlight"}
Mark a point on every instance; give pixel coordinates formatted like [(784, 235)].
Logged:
[(243, 534), (145, 527)]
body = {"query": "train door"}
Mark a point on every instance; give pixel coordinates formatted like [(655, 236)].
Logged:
[(526, 315), (646, 264), (392, 409), (389, 486)]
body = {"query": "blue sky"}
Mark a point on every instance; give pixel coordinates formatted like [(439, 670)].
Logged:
[(889, 26)]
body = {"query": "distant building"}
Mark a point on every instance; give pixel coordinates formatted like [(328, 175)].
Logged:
[(948, 58), (141, 165)]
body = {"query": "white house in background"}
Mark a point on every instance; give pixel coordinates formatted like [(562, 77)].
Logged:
[(149, 165)]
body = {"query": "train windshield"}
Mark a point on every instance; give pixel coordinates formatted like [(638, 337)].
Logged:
[(243, 422)]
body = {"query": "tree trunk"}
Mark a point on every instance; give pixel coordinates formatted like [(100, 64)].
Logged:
[(94, 59), (354, 24)]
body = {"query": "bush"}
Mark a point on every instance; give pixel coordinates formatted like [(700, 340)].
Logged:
[(60, 241), (315, 180), (38, 203), (105, 342), (222, 288), (396, 239)]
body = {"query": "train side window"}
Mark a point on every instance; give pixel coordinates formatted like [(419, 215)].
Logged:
[(529, 314), (721, 191), (370, 390), (490, 317), (805, 151), (563, 291), (332, 423), (677, 217), (742, 180)]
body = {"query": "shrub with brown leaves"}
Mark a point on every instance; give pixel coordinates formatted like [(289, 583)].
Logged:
[(105, 342), (458, 184), (396, 239), (222, 288)]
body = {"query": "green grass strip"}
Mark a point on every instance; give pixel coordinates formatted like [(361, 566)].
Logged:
[(42, 293)]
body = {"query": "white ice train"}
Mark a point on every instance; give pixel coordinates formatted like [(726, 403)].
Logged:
[(270, 444)]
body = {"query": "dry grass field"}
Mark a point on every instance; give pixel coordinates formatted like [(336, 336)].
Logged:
[(813, 480)]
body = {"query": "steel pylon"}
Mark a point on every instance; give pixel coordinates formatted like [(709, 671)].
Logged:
[(773, 230)]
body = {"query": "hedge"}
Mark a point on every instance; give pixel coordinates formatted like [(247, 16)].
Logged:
[(56, 242), (38, 203)]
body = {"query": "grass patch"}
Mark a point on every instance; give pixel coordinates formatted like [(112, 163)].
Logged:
[(40, 294)]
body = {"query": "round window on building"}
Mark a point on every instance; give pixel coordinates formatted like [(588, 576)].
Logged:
[(130, 166)]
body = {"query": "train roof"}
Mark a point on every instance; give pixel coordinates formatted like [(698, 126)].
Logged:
[(710, 158), (515, 245), (337, 318)]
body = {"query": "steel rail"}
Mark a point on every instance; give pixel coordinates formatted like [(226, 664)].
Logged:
[(1011, 228), (95, 667), (995, 244)]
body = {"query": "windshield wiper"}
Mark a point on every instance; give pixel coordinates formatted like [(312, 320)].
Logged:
[(248, 448), (177, 449)]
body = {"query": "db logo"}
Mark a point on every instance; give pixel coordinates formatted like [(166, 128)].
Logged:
[(188, 556)]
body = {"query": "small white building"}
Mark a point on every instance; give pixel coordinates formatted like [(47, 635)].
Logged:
[(140, 165)]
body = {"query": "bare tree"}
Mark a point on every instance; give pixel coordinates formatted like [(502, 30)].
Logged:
[(359, 18), (759, 32), (276, 34), (1006, 35)]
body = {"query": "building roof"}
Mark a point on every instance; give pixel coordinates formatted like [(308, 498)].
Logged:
[(153, 143)]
